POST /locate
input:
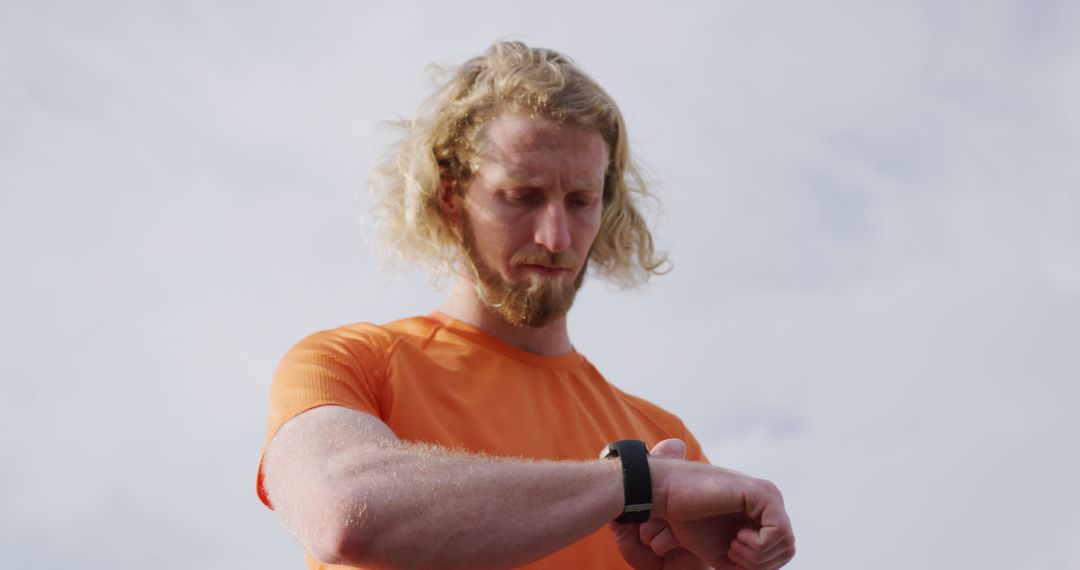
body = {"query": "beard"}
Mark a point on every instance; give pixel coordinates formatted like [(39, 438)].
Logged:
[(536, 304)]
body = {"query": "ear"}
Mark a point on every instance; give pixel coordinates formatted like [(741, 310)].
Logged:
[(449, 198)]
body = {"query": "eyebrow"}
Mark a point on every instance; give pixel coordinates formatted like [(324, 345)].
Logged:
[(524, 178)]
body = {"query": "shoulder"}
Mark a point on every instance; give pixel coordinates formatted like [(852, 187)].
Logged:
[(360, 339)]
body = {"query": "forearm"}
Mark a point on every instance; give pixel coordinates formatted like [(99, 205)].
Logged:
[(414, 506), (352, 493)]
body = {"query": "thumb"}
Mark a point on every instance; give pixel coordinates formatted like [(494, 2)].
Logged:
[(671, 448), (623, 532)]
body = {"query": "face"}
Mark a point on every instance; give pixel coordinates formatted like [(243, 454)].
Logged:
[(529, 216)]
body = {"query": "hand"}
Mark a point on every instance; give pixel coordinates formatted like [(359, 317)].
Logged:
[(726, 519), (652, 545)]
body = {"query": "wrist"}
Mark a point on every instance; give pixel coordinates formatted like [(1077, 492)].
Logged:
[(618, 500), (660, 468)]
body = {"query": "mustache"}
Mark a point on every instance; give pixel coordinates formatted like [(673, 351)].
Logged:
[(561, 260)]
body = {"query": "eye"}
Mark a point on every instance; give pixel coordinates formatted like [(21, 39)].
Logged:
[(522, 196), (582, 199)]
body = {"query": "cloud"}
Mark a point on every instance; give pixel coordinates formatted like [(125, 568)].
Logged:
[(871, 211)]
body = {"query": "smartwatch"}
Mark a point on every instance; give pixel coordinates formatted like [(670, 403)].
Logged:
[(637, 481)]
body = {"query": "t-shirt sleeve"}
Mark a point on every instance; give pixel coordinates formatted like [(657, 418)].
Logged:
[(339, 367)]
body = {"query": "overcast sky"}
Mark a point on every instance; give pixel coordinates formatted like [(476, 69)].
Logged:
[(873, 210)]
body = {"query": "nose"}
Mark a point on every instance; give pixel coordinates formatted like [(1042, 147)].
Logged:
[(553, 228)]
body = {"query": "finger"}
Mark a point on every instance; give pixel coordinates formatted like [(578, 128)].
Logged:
[(768, 539), (673, 448), (635, 553), (765, 537), (751, 537), (773, 557), (656, 533), (778, 556), (650, 528), (765, 505), (622, 531), (664, 542), (767, 559), (740, 561)]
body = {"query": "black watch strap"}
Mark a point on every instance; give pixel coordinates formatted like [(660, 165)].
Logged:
[(637, 480)]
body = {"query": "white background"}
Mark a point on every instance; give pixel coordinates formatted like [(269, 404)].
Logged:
[(873, 210)]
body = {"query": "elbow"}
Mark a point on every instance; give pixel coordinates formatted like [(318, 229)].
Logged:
[(340, 543), (338, 530), (359, 529), (349, 542), (334, 524)]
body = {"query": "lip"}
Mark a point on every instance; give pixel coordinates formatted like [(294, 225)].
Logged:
[(545, 269)]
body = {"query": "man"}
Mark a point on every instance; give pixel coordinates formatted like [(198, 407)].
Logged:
[(468, 438)]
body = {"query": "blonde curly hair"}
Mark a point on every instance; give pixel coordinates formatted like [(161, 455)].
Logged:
[(440, 145)]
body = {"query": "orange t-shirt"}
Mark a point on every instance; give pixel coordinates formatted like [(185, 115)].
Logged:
[(436, 380)]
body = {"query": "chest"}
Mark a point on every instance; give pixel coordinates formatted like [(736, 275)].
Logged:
[(503, 407)]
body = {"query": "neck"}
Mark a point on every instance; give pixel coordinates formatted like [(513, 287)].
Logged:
[(464, 305)]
